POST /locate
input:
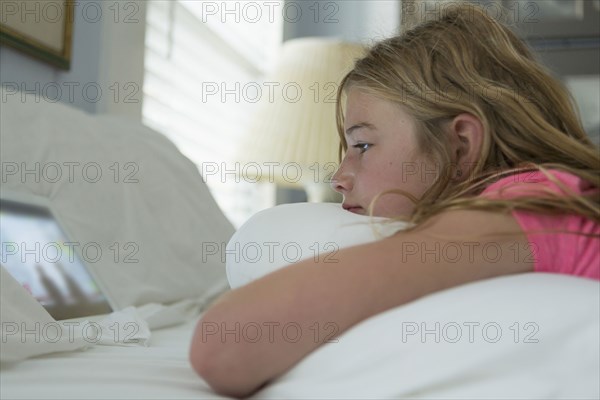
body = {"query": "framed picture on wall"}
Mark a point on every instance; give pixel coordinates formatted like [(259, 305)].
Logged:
[(42, 29)]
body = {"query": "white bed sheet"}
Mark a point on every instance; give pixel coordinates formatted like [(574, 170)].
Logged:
[(160, 371)]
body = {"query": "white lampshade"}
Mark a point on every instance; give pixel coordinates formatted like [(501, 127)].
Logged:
[(295, 128)]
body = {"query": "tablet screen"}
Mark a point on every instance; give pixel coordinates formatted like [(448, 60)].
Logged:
[(37, 253)]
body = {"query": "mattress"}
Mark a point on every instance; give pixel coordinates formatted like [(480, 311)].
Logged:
[(159, 371)]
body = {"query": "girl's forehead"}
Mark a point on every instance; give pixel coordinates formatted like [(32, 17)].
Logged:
[(363, 105), (360, 102)]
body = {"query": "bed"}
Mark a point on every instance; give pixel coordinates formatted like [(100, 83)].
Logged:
[(527, 336), (555, 356)]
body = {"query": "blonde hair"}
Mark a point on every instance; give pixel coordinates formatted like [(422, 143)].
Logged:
[(467, 62)]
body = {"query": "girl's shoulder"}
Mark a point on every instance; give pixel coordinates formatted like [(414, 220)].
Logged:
[(537, 183), (563, 243)]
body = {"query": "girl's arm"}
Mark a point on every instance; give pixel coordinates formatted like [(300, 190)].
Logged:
[(256, 332)]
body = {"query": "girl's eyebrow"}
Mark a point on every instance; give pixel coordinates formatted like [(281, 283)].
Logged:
[(360, 125)]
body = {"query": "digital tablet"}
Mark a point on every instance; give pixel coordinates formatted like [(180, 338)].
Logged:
[(36, 251)]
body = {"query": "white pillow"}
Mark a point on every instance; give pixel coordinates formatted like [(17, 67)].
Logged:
[(532, 336), (289, 233), (149, 212)]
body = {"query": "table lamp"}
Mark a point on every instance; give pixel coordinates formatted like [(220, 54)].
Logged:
[(293, 140)]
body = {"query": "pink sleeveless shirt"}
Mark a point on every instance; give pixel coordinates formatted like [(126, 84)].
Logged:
[(563, 253)]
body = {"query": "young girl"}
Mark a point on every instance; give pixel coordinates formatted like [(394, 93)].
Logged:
[(454, 127)]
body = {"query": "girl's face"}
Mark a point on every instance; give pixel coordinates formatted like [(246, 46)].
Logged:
[(382, 154)]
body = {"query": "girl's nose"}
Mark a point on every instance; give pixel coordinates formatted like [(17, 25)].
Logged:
[(341, 181)]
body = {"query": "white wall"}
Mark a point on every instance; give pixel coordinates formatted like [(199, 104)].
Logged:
[(107, 54), (351, 20)]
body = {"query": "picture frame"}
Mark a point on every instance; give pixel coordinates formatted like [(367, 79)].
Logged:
[(41, 29)]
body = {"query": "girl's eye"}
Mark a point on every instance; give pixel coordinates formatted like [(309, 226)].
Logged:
[(362, 146)]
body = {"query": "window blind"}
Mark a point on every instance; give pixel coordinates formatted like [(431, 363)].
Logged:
[(198, 57)]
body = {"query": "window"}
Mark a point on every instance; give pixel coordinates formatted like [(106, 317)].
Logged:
[(199, 56)]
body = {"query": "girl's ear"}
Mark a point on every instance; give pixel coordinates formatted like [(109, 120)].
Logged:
[(466, 135)]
